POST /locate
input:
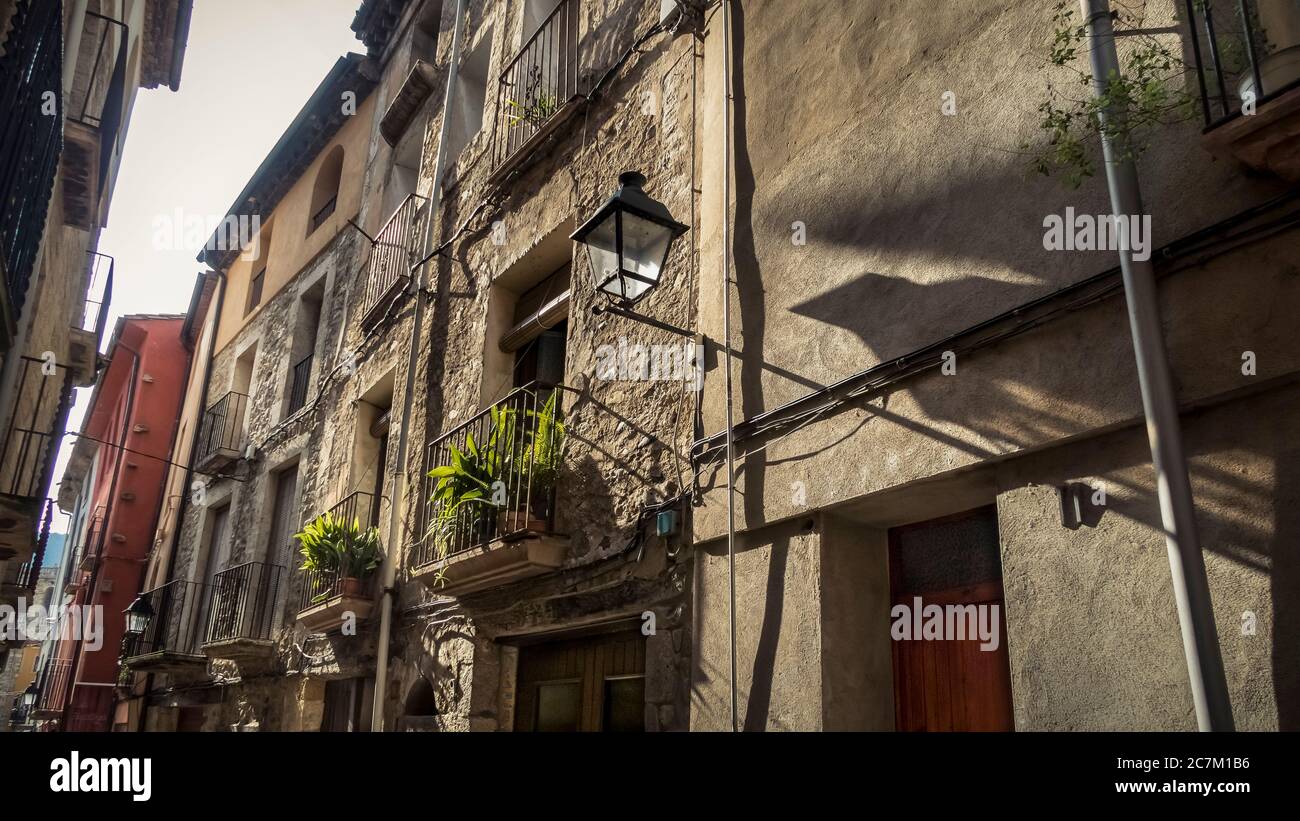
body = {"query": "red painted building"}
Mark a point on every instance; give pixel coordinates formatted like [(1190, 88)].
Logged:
[(112, 488)]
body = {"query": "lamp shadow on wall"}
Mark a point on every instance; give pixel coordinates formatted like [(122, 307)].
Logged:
[(893, 315)]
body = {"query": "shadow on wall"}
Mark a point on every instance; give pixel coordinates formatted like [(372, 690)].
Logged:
[(1285, 578), (892, 315)]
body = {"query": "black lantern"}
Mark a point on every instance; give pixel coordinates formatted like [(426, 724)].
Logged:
[(138, 616), (628, 239), (30, 695)]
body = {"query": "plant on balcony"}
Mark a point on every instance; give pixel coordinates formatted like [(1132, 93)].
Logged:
[(1149, 92), (472, 481), (477, 478), (332, 545), (534, 110), (537, 106), (542, 454)]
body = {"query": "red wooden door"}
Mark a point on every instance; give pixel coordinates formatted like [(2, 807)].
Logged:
[(950, 684)]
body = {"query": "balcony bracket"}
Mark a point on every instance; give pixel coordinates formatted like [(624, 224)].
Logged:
[(1267, 141), (493, 564)]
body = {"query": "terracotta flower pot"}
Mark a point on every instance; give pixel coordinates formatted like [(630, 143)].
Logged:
[(516, 521), (351, 586)]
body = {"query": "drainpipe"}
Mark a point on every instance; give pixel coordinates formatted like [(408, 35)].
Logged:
[(389, 569), (189, 464), (726, 335), (1177, 512)]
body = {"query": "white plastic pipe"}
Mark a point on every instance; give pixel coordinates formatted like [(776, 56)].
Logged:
[(1177, 512)]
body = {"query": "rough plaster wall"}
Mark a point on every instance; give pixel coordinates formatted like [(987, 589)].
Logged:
[(896, 257), (899, 238), (778, 632), (857, 667), (1092, 628), (1068, 379)]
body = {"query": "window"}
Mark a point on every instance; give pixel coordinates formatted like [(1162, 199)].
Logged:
[(217, 554), (471, 93), (325, 192), (535, 13), (242, 382), (258, 279), (540, 359), (348, 704), (527, 320), (302, 349), (370, 446), (255, 291)]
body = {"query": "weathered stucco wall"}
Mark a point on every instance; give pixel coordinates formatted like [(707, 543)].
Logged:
[(920, 225)]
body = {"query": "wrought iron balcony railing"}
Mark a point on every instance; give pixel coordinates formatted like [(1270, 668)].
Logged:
[(30, 144), (242, 602), (221, 434), (31, 440), (177, 619), (537, 84), (323, 213), (24, 576), (300, 383), (99, 292), (395, 250), (317, 586), (101, 71), (53, 684), (1245, 50), (511, 452)]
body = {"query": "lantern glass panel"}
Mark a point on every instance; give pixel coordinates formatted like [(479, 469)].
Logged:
[(602, 250), (645, 246)]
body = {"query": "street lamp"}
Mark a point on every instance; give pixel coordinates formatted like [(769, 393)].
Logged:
[(628, 239), (138, 616)]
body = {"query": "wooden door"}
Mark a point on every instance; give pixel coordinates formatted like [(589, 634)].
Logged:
[(593, 684), (950, 684)]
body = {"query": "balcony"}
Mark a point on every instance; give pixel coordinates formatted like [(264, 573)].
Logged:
[(1248, 55), (27, 449), (221, 433), (395, 250), (325, 599), (171, 643), (505, 532), (19, 579), (94, 114), (54, 681), (30, 143), (241, 612), (88, 330), (538, 90)]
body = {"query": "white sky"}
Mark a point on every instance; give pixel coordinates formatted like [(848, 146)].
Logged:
[(249, 67)]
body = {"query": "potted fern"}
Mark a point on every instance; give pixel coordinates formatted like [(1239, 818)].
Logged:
[(468, 488), (331, 545), (538, 464)]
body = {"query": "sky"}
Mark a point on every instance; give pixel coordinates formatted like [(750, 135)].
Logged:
[(250, 65)]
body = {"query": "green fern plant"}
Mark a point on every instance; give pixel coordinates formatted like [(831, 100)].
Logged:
[(473, 478), (331, 544)]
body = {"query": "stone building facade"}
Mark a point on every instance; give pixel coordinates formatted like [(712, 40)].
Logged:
[(612, 590), (929, 400)]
